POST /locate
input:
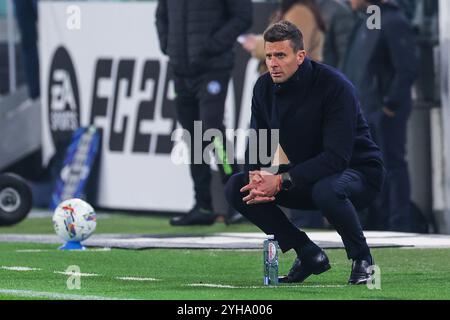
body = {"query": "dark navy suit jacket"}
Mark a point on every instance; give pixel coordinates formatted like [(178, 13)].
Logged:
[(321, 127)]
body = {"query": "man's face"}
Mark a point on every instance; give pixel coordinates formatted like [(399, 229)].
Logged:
[(358, 4), (282, 61)]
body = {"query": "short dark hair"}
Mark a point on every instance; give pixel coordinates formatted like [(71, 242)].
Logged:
[(285, 30)]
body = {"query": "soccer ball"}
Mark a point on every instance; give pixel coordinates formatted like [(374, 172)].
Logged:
[(74, 220)]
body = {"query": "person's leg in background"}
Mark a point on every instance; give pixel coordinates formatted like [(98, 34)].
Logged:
[(398, 188), (26, 15), (392, 209), (187, 107), (378, 213), (30, 167), (211, 94)]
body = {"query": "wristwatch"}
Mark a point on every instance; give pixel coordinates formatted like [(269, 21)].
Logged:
[(286, 181)]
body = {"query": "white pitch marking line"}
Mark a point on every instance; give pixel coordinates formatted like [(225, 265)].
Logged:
[(15, 268), (77, 274), (51, 295), (46, 250), (211, 285), (136, 279), (98, 249), (299, 286)]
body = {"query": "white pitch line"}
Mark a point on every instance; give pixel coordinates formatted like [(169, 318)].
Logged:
[(136, 279), (211, 285), (15, 268), (51, 295), (98, 249), (47, 250), (299, 286), (77, 274)]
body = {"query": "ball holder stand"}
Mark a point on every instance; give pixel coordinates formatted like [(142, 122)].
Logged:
[(72, 245)]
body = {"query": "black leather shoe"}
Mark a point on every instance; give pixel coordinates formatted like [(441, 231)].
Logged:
[(196, 217), (301, 270), (360, 273)]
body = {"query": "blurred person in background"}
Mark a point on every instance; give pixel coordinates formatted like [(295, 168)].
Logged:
[(27, 16), (408, 7), (382, 63), (198, 36), (305, 14), (339, 22)]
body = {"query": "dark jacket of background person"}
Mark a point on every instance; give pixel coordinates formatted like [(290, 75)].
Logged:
[(199, 35), (408, 7), (340, 21), (322, 129), (382, 63), (27, 18)]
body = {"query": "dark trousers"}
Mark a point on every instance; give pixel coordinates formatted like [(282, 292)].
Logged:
[(26, 14), (338, 197), (392, 209), (202, 98)]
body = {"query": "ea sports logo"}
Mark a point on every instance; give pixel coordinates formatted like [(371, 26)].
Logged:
[(62, 96)]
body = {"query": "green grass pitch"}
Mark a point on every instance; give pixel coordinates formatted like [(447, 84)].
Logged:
[(202, 274)]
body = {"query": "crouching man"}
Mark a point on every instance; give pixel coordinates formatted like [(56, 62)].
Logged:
[(335, 167)]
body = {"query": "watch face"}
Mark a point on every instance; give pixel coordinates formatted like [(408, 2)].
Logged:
[(286, 185), (286, 182)]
